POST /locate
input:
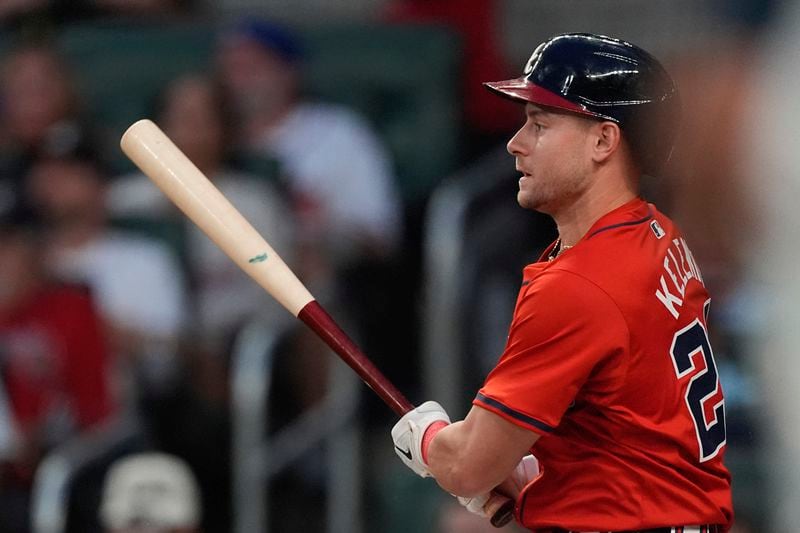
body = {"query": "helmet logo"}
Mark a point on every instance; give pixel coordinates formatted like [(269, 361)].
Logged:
[(531, 64)]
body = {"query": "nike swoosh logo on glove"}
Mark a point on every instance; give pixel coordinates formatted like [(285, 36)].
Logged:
[(407, 453)]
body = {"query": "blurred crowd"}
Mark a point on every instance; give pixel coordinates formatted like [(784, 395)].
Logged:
[(114, 310)]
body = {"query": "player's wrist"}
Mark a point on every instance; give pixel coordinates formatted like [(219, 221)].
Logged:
[(414, 432), (427, 438)]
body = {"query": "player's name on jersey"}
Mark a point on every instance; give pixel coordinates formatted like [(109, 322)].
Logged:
[(679, 268)]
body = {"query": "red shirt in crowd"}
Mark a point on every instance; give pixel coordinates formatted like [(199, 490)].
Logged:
[(54, 359)]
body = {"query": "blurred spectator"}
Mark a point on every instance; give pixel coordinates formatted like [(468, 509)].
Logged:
[(338, 171), (37, 95), (39, 13), (12, 7), (773, 160), (715, 88), (38, 108), (53, 359), (488, 122), (136, 281), (136, 7), (11, 10), (150, 493), (194, 115), (717, 79)]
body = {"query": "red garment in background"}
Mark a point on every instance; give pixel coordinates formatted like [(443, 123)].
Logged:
[(475, 21), (54, 362)]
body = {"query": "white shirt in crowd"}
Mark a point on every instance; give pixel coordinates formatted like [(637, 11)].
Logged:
[(136, 282), (330, 155)]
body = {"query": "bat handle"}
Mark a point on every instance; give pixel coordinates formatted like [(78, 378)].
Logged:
[(321, 323), (315, 317)]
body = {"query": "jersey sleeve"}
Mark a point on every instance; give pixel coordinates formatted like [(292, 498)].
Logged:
[(564, 330)]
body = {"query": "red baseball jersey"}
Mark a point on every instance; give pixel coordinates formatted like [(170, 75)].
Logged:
[(608, 359)]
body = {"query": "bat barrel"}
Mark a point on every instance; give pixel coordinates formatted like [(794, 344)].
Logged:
[(191, 191)]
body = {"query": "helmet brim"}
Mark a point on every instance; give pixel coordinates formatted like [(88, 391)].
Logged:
[(523, 91)]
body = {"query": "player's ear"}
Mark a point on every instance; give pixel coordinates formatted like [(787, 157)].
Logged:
[(606, 139)]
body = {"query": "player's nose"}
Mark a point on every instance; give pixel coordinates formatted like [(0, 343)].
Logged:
[(515, 146)]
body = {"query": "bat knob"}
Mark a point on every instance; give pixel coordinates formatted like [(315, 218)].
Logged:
[(503, 515)]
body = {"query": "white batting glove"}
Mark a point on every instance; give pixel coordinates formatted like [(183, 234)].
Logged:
[(526, 471), (475, 505), (409, 432)]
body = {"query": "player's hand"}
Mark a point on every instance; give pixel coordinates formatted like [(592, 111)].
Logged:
[(475, 505), (487, 504), (526, 471), (409, 434)]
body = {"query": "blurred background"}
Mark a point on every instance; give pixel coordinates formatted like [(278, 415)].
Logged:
[(147, 385)]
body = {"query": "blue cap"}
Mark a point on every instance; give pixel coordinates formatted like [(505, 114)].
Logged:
[(272, 36)]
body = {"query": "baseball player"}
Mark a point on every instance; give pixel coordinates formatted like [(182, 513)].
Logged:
[(607, 377)]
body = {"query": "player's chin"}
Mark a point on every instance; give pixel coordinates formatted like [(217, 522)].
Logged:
[(526, 200), (536, 203)]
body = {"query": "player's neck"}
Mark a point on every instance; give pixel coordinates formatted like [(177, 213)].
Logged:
[(575, 220)]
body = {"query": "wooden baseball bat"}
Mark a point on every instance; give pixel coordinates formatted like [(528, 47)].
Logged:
[(183, 183)]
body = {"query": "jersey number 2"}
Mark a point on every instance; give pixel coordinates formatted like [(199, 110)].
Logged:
[(690, 346)]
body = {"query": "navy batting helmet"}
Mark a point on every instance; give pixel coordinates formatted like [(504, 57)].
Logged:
[(608, 79)]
